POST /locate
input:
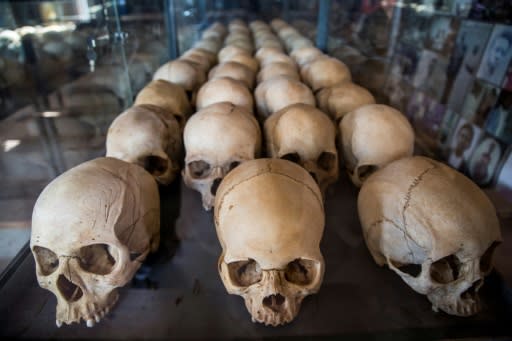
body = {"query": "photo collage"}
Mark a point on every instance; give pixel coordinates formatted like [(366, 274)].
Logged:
[(451, 74)]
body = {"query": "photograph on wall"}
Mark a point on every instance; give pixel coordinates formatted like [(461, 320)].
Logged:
[(426, 65), (418, 104), (447, 127), (461, 8), (484, 160), (463, 141), (429, 123), (441, 34), (499, 120), (398, 92), (413, 27), (504, 174), (478, 102), (405, 61), (497, 56), (491, 10), (507, 82), (465, 59)]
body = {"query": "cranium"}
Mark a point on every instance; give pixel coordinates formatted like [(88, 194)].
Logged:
[(91, 229), (372, 136), (217, 139), (227, 52), (234, 70), (323, 72), (339, 100), (150, 137), (246, 59), (269, 218), (183, 73), (170, 97), (225, 89), (305, 55), (268, 53), (277, 93), (203, 58), (278, 69), (303, 134), (434, 228)]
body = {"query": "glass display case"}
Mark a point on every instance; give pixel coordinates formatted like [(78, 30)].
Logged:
[(69, 68)]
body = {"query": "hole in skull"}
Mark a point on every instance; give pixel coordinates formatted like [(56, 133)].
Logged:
[(413, 270), (244, 273), (155, 165), (190, 94), (446, 269), (301, 271), (178, 118), (293, 157), (134, 255), (47, 260), (471, 292), (326, 161), (365, 171), (486, 259), (274, 302), (70, 291), (215, 186), (96, 259), (233, 165), (199, 169), (313, 175)]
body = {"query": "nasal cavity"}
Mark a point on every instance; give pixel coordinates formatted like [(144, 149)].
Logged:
[(215, 185), (70, 291), (274, 302)]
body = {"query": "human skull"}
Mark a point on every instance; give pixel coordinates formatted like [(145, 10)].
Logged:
[(268, 53), (170, 97), (269, 218), (225, 89), (217, 139), (434, 228), (247, 60), (147, 136), (278, 93), (203, 58), (91, 229), (278, 69), (305, 54), (372, 136), (339, 100), (303, 134), (323, 72), (234, 70), (184, 73), (229, 51)]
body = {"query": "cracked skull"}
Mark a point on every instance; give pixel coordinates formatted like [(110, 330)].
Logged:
[(150, 137), (91, 229), (269, 218), (372, 136), (217, 139), (434, 228), (306, 136)]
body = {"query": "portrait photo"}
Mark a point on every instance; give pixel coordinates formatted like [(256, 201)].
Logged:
[(497, 56), (447, 127), (465, 59), (478, 102), (463, 140), (504, 174), (461, 8), (430, 123), (419, 103), (398, 92), (484, 160), (507, 82), (442, 33), (413, 27), (499, 120)]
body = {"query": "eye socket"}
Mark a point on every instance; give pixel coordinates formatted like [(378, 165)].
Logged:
[(445, 270), (155, 165), (413, 270), (233, 165), (301, 271), (486, 259), (293, 157), (365, 171), (245, 273), (47, 260), (199, 169), (326, 161), (96, 259)]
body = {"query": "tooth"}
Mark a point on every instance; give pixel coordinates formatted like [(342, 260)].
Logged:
[(97, 318), (90, 323), (58, 323)]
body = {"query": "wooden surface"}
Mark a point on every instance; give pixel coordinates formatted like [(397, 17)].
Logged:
[(183, 297)]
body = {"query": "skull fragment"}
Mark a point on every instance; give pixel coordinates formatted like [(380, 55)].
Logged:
[(91, 229), (434, 228), (269, 218)]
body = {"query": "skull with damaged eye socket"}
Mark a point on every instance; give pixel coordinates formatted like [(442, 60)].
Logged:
[(269, 218), (217, 139)]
